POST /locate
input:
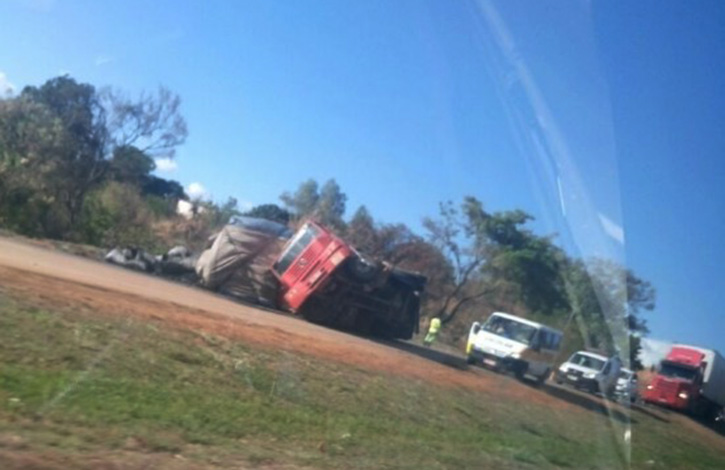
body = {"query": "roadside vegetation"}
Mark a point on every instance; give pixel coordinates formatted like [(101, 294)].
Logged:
[(75, 383), (77, 164)]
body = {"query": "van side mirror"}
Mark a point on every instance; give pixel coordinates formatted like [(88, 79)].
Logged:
[(476, 327)]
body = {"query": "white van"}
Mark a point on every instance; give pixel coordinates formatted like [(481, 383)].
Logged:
[(513, 343), (591, 372)]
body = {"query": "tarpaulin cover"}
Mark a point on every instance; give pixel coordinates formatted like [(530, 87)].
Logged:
[(238, 261)]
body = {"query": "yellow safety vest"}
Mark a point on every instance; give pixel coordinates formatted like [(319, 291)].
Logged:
[(435, 325)]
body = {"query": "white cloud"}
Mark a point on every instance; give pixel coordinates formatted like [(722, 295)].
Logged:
[(103, 60), (166, 165), (196, 190), (653, 351), (611, 228), (6, 86)]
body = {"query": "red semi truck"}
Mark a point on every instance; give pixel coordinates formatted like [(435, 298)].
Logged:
[(690, 379), (327, 281)]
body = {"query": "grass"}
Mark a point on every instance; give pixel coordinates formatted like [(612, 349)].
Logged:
[(74, 384)]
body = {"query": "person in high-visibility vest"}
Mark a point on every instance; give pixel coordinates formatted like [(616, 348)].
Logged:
[(433, 329)]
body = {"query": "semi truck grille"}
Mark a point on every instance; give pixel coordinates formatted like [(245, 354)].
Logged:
[(306, 260), (667, 387)]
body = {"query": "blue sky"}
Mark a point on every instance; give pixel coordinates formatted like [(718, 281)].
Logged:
[(603, 119)]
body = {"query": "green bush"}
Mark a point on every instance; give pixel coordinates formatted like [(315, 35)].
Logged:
[(117, 214)]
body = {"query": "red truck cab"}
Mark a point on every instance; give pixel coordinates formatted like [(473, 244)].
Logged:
[(678, 380), (326, 281), (307, 262)]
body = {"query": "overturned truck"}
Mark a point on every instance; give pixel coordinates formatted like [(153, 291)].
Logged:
[(312, 273)]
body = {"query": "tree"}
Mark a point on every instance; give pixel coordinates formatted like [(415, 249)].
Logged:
[(326, 205), (228, 210), (361, 232), (304, 201), (270, 212), (116, 214), (152, 123), (331, 205), (80, 163), (30, 137), (607, 301), (165, 189), (454, 233), (130, 165), (94, 136), (528, 263)]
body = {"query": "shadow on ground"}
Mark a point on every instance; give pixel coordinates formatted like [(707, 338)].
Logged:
[(441, 357), (588, 402), (652, 414)]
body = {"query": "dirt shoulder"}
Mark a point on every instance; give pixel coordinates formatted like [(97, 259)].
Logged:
[(60, 280)]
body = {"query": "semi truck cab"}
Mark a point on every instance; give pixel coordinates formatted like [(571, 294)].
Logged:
[(327, 281), (678, 380)]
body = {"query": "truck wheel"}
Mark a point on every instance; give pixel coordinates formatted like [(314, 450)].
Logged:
[(362, 269), (470, 360)]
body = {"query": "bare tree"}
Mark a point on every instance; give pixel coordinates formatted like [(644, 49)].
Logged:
[(152, 123), (455, 235)]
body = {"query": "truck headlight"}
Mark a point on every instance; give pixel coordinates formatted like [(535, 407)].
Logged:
[(683, 395), (515, 355), (590, 375), (563, 369), (649, 387)]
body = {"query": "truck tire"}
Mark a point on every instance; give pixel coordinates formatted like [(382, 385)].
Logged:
[(361, 269), (470, 360)]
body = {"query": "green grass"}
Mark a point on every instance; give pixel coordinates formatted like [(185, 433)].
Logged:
[(73, 384)]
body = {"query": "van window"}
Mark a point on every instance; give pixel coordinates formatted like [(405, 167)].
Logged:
[(511, 329), (555, 341), (544, 339)]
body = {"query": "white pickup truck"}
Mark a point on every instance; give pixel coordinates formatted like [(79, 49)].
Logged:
[(591, 372)]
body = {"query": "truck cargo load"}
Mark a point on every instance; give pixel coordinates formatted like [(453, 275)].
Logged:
[(237, 260), (713, 378)]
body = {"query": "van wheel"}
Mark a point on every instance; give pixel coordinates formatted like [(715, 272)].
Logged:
[(542, 378), (521, 370)]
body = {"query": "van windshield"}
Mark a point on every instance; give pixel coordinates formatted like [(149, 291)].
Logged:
[(511, 329), (587, 361)]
